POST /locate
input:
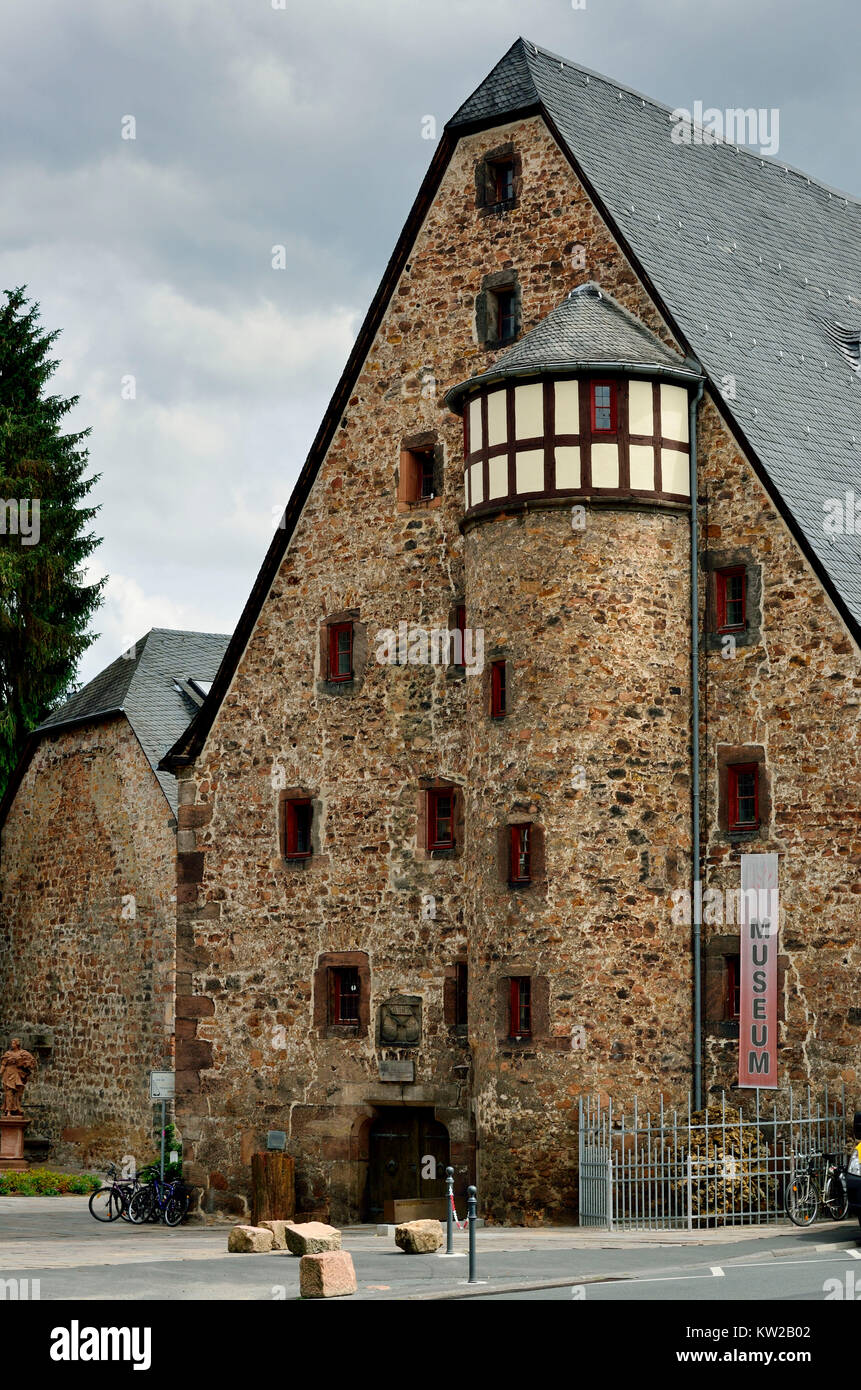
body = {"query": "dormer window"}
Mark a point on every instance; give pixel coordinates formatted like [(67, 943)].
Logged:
[(502, 175), (604, 407)]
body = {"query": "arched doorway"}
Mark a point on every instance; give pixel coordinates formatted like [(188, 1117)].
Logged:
[(407, 1157)]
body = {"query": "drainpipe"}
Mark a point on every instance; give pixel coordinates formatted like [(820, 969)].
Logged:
[(697, 897)]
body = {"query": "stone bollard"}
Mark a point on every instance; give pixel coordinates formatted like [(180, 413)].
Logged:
[(327, 1275), (250, 1240), (278, 1235)]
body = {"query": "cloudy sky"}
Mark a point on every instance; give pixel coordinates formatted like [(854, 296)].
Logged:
[(258, 125)]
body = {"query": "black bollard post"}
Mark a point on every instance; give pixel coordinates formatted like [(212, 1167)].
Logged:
[(449, 1220), (471, 1217)]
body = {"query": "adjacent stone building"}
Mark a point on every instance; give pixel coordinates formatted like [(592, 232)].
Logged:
[(428, 897), (87, 915)]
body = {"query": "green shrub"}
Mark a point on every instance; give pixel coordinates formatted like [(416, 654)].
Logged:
[(43, 1182)]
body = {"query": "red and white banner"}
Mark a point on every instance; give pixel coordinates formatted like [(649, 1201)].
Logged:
[(760, 920)]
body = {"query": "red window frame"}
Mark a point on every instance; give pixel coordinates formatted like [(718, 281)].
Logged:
[(735, 772), (723, 600), (732, 1003), (520, 854), (503, 176), (345, 992), (612, 386), (461, 994), (506, 314), (437, 817), (336, 630), (498, 690), (520, 1007), (298, 819)]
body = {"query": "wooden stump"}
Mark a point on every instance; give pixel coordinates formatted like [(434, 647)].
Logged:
[(273, 1187)]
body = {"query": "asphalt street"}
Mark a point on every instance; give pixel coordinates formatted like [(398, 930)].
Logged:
[(56, 1241)]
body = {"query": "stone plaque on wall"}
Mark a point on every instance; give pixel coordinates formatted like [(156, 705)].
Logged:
[(391, 1070), (400, 1021)]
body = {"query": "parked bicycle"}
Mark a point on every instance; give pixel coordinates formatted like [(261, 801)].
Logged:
[(817, 1180), (159, 1201), (109, 1203)]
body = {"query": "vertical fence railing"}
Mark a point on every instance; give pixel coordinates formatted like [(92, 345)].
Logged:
[(727, 1165)]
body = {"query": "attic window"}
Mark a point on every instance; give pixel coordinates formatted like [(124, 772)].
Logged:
[(502, 176)]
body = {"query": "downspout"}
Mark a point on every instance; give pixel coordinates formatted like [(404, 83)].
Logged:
[(697, 896)]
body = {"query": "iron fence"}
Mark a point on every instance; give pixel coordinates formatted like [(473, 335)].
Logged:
[(673, 1168)]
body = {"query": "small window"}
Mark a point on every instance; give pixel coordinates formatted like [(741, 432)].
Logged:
[(502, 180), (420, 475), (441, 818), (343, 995), (731, 587), (498, 690), (743, 796), (457, 624), (520, 857), (520, 1008), (603, 407), (461, 994), (341, 652), (297, 828), (506, 315), (732, 1002)]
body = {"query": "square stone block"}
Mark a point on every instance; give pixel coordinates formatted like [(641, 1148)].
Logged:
[(250, 1240), (327, 1275)]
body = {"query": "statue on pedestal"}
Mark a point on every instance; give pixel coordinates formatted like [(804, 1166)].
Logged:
[(15, 1068)]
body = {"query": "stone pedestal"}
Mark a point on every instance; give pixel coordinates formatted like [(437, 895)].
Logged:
[(12, 1143)]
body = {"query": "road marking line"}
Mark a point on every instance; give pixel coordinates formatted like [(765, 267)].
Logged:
[(854, 1254), (717, 1272)]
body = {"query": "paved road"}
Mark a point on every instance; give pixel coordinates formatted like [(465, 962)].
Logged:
[(56, 1241)]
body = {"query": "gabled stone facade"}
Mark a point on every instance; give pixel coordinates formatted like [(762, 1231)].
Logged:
[(593, 624)]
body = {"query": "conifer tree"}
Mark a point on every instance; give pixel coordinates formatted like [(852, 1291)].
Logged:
[(45, 604)]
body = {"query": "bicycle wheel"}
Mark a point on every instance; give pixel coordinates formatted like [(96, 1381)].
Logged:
[(802, 1201), (835, 1198), (140, 1206), (128, 1191), (174, 1211), (106, 1204)]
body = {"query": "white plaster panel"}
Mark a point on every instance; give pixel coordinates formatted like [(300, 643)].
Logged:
[(675, 472), (567, 407), (674, 413), (530, 470), (476, 487), (568, 466), (476, 436), (498, 477), (641, 415), (605, 465), (497, 430), (642, 460), (529, 411)]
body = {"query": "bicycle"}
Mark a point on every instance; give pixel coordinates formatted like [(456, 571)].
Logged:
[(158, 1201), (109, 1203), (820, 1179)]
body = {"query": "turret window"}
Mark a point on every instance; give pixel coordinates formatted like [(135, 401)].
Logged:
[(506, 315), (298, 816), (604, 408), (441, 818), (341, 652), (520, 856), (498, 691), (520, 1007)]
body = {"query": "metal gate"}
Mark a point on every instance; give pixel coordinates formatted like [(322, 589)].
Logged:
[(674, 1168)]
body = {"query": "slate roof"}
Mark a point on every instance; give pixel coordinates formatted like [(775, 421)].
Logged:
[(143, 686), (755, 262), (589, 328)]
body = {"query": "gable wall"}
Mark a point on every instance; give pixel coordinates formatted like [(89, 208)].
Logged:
[(88, 826)]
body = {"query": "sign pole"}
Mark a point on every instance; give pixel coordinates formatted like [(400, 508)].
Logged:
[(162, 1139)]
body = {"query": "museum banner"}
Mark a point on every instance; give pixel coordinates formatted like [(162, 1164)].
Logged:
[(759, 919)]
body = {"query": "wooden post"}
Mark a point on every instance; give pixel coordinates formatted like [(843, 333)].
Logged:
[(273, 1187)]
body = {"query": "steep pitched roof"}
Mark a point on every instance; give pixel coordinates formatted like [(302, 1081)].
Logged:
[(756, 263), (589, 328), (739, 254), (145, 684)]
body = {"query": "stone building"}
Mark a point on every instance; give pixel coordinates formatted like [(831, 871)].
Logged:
[(87, 884), (428, 898)]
